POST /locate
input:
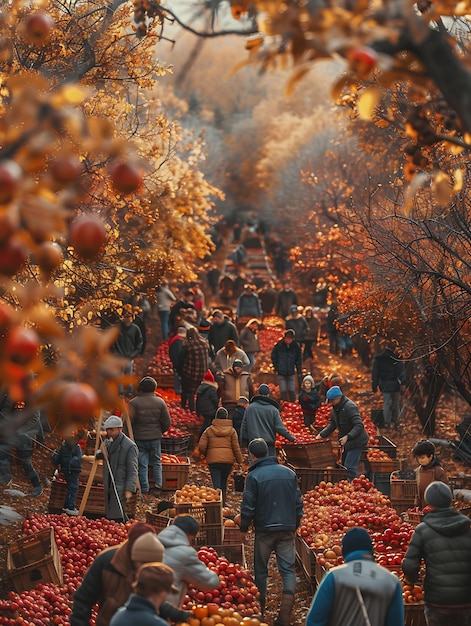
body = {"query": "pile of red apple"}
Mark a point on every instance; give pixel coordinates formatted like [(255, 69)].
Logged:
[(161, 363), (236, 585)]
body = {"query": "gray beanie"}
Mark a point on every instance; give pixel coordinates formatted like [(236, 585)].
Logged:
[(438, 495), (147, 384), (308, 377), (264, 390), (221, 414), (258, 448)]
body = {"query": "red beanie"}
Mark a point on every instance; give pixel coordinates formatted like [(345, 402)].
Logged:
[(209, 376)]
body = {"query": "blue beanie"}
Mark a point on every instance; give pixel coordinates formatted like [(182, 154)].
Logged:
[(356, 538), (264, 390), (333, 392)]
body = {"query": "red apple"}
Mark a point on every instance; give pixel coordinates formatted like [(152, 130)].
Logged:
[(22, 345), (49, 256), (126, 177), (66, 169), (10, 177), (79, 402), (12, 256), (88, 236), (38, 27)]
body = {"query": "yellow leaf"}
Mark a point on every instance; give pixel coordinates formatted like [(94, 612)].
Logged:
[(367, 102), (441, 188), (68, 95), (458, 176)]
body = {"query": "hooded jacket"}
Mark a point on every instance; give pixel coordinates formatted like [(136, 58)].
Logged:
[(149, 416), (219, 443), (187, 568), (345, 417), (299, 325), (219, 333), (249, 340), (207, 399), (443, 541), (69, 458), (309, 400), (262, 419), (224, 361), (129, 342)]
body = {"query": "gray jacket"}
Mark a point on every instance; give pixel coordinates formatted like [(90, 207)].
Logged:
[(149, 415), (123, 460), (262, 419)]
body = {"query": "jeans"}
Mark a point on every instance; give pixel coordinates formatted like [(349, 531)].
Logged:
[(72, 480), (164, 317), (391, 407), (219, 474), (287, 387), (24, 453), (251, 357), (350, 460), (282, 543), (447, 616), (149, 454), (127, 371)]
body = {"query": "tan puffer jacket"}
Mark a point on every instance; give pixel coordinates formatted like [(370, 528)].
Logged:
[(219, 443)]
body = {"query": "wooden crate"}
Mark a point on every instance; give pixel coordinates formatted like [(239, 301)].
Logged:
[(414, 614), (95, 506), (87, 465), (158, 520), (402, 489), (315, 454), (176, 445), (310, 477), (384, 444), (306, 558), (209, 535), (204, 512), (400, 506), (382, 466), (166, 380), (174, 475), (232, 535), (34, 559)]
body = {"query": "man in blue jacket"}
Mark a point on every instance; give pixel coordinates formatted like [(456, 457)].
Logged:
[(358, 592), (272, 502)]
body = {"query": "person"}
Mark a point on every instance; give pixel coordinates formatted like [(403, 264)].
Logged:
[(69, 459), (262, 420), (220, 446), (268, 297), (198, 298), (389, 376), (309, 400), (120, 469), (213, 274), (296, 321), (207, 400), (21, 440), (226, 356), (346, 418), (360, 591), (153, 583), (326, 383), (108, 580), (165, 299), (180, 555), (221, 330), (248, 303), (175, 347), (332, 330), (429, 469), (442, 541), (150, 419), (311, 338), (272, 502), (249, 341), (235, 382), (193, 363), (180, 309), (286, 357), (285, 298), (238, 415), (128, 345)]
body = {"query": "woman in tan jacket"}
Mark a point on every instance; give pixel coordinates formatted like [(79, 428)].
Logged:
[(220, 445)]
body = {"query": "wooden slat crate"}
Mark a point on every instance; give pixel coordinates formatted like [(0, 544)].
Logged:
[(95, 506), (232, 535), (87, 465), (34, 559), (314, 454), (310, 477), (176, 445), (175, 475), (306, 558), (158, 520), (414, 614)]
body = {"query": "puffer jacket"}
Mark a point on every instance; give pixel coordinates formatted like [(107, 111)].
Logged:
[(219, 443), (426, 475), (207, 399), (149, 416), (69, 458), (299, 325), (262, 419), (287, 359), (187, 568), (346, 418), (443, 541)]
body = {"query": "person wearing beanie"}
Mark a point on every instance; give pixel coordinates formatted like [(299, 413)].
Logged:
[(442, 541), (235, 382), (153, 583), (262, 419), (207, 400), (358, 592), (249, 340), (287, 360), (227, 356), (120, 469), (221, 330), (272, 503), (108, 581), (428, 470), (248, 304), (219, 444), (150, 419), (183, 559), (309, 400), (346, 419)]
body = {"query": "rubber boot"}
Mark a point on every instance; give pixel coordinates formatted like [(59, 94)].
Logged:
[(284, 615)]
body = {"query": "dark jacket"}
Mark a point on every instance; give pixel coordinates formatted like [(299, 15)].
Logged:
[(149, 416), (248, 305), (299, 325), (137, 610), (129, 342), (443, 541), (207, 399), (268, 300), (237, 418), (272, 500), (220, 333), (262, 419), (346, 418), (175, 346), (69, 458), (285, 299), (388, 372), (309, 400), (287, 359), (249, 340)]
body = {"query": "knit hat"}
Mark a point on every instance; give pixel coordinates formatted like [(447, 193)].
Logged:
[(147, 384), (113, 422), (187, 523), (147, 548), (356, 538), (289, 333), (209, 376), (243, 400), (135, 531), (333, 392), (258, 447), (221, 414), (264, 390), (237, 363), (308, 378), (293, 309), (153, 578), (438, 495)]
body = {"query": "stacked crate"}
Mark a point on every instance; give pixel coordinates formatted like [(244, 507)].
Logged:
[(209, 517), (403, 492), (34, 559)]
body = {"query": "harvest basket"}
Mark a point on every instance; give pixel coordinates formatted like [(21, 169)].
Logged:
[(34, 559), (310, 477), (414, 614), (306, 558), (176, 445), (314, 454)]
